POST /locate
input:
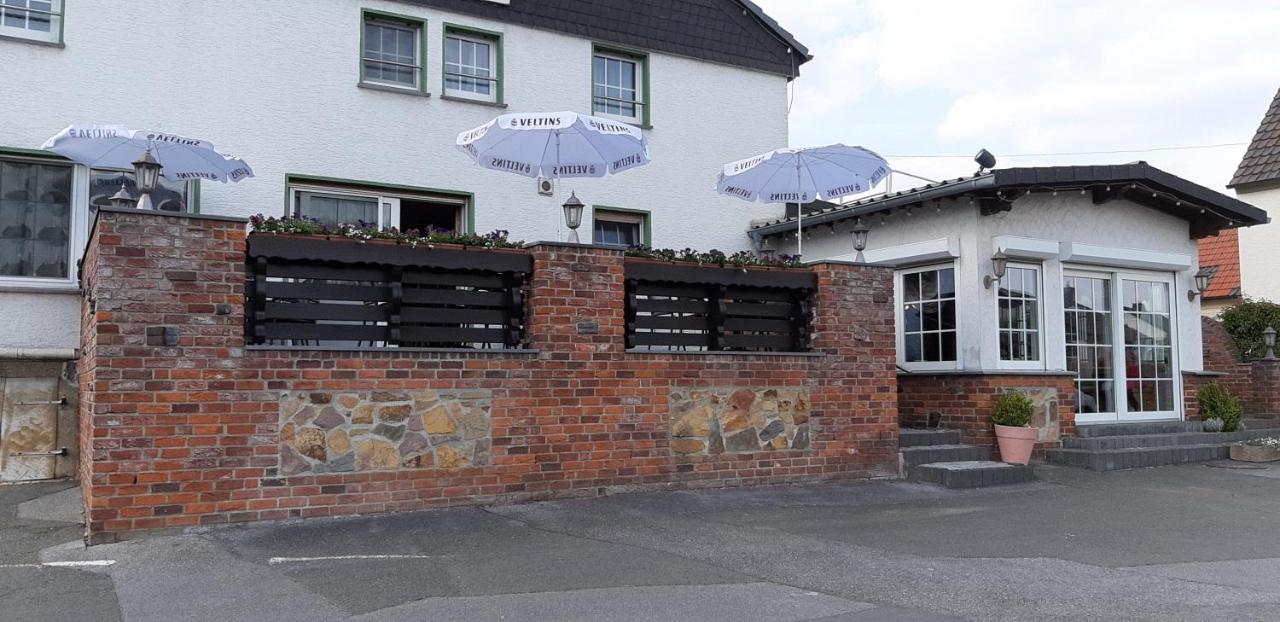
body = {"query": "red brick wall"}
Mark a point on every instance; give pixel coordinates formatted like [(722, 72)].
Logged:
[(966, 400), (189, 434), (1256, 383)]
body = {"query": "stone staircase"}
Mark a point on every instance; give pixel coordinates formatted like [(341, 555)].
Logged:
[(1116, 446), (938, 457)]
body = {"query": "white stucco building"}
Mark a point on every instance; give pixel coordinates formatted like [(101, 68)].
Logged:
[(1257, 180), (349, 109), (1100, 263)]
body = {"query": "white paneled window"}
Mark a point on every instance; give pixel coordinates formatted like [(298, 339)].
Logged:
[(927, 334), (406, 209), (1018, 302), (35, 219), (36, 20), (470, 66), (392, 55), (617, 228), (618, 86)]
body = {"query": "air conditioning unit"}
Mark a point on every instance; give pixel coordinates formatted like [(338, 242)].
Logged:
[(545, 187)]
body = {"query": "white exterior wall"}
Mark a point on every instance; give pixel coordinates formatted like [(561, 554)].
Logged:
[(1260, 248), (1067, 217), (275, 83)]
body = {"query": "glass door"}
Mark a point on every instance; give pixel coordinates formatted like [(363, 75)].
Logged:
[(1120, 341)]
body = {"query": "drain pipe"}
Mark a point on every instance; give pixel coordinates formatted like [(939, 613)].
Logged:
[(39, 354)]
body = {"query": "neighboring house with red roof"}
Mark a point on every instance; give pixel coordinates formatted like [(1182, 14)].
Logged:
[(1257, 181), (1220, 258)]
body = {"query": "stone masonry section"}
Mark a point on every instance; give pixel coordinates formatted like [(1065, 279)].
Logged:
[(964, 402), (182, 424), (738, 420)]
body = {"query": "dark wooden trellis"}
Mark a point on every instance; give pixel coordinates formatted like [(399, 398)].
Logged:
[(702, 308), (307, 291)]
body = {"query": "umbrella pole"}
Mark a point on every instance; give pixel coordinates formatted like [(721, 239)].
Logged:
[(799, 214)]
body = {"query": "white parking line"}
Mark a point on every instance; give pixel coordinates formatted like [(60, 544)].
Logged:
[(81, 564), (286, 560)]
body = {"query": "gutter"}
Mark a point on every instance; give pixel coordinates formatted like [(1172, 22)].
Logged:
[(878, 205), (40, 354)]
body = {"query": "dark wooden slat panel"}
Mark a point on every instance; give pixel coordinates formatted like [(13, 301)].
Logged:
[(778, 342), (757, 309), (325, 332), (319, 271), (670, 306), (417, 295), (451, 335), (314, 311), (418, 277), (672, 339), (677, 291), (671, 322), (442, 315), (758, 293), (676, 273), (326, 291), (754, 324)]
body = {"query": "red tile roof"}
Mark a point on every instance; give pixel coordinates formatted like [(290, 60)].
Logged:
[(1220, 255)]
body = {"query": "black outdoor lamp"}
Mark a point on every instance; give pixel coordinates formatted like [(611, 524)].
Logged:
[(573, 215), (1202, 284), (146, 174), (1269, 338), (121, 199), (860, 233), (999, 265)]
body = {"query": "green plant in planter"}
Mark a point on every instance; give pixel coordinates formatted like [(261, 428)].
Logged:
[(1218, 403), (1013, 409)]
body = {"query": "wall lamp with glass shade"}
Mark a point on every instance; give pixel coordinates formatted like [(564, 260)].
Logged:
[(1202, 284), (146, 174), (860, 234), (999, 265), (573, 215)]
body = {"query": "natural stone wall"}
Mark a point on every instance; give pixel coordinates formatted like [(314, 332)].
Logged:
[(326, 432), (719, 421)]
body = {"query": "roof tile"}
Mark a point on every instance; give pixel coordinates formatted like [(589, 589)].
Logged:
[(1261, 161)]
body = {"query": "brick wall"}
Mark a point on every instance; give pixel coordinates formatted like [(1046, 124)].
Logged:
[(1256, 382), (188, 432), (965, 402)]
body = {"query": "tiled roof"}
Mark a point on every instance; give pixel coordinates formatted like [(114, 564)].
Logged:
[(1261, 162), (734, 32), (1220, 256)]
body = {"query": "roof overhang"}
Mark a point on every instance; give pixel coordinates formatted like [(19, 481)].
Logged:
[(1207, 211)]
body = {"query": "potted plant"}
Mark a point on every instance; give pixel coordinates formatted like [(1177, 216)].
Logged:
[(1257, 450), (1014, 434)]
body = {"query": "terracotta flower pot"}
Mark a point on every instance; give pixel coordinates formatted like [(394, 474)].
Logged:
[(1016, 443)]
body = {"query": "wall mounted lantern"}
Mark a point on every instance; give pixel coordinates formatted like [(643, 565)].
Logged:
[(1202, 284), (146, 174), (999, 265), (573, 216), (860, 234)]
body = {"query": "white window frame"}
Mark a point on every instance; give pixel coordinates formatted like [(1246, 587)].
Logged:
[(492, 78), (1117, 277), (900, 324), (56, 14), (639, 102), (417, 29), (79, 232), (388, 201), (1039, 363), (604, 214)]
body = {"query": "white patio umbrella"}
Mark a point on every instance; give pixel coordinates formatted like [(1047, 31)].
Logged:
[(116, 146), (555, 145), (803, 175)]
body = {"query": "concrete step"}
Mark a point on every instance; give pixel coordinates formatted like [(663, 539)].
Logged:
[(1138, 457), (909, 437), (1133, 441), (971, 473), (912, 456), (1137, 428)]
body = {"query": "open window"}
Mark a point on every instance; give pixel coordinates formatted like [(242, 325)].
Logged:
[(361, 203)]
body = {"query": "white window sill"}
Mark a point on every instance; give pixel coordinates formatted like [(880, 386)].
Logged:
[(470, 100), (53, 286), (403, 90), (22, 39)]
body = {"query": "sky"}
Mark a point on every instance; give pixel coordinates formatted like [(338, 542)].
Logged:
[(914, 78)]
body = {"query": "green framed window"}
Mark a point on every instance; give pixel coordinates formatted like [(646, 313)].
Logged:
[(32, 20), (472, 64), (616, 226), (393, 51), (334, 201), (620, 84)]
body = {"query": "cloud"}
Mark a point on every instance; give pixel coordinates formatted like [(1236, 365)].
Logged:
[(928, 77)]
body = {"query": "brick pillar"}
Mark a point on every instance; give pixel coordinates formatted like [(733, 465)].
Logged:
[(162, 326), (580, 300)]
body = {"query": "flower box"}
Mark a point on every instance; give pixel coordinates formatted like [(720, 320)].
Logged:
[(1254, 453)]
